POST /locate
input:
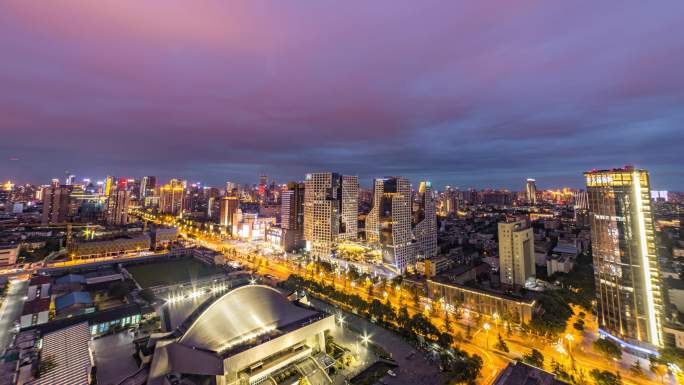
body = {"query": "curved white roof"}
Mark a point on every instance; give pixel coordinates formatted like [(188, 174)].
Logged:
[(242, 314)]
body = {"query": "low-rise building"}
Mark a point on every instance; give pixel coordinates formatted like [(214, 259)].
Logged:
[(560, 264), (246, 336), (111, 247), (484, 302), (8, 255)]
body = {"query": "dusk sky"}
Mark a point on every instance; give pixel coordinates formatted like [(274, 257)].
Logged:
[(479, 95)]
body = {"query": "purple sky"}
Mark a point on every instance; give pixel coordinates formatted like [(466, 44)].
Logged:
[(478, 95)]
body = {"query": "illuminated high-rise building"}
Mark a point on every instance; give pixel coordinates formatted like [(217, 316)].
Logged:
[(425, 219), (516, 252), (330, 211), (147, 186), (171, 198), (56, 204), (388, 224), (110, 183), (263, 179), (117, 207), (231, 188), (292, 216), (349, 207), (628, 285), (229, 206), (531, 191)]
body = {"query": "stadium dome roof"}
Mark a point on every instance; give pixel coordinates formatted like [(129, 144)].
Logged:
[(240, 315)]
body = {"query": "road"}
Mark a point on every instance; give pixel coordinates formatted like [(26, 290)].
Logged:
[(11, 310)]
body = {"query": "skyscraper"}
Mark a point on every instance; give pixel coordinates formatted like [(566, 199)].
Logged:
[(516, 252), (389, 222), (628, 285), (171, 198), (531, 191), (117, 207), (425, 219), (263, 179), (330, 211), (56, 201), (349, 208), (147, 186), (229, 206), (292, 216)]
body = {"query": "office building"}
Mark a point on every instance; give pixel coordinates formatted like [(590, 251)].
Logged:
[(263, 179), (292, 216), (516, 252), (628, 284), (388, 224), (330, 211), (425, 219), (171, 198), (117, 207), (147, 186), (531, 191), (56, 204), (349, 208), (231, 188), (227, 211)]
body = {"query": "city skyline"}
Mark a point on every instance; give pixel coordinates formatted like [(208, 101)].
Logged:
[(481, 95)]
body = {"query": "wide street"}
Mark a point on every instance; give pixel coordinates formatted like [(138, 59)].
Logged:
[(11, 310)]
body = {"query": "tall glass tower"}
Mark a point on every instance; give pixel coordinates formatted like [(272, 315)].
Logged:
[(626, 270)]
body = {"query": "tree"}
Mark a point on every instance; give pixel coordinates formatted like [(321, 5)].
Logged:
[(534, 358), (445, 340), (447, 322), (501, 345), (636, 368), (119, 290), (608, 348), (605, 377), (147, 295), (464, 369)]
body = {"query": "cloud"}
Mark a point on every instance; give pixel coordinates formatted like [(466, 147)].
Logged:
[(480, 94)]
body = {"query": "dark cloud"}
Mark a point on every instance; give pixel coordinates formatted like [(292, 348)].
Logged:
[(480, 94)]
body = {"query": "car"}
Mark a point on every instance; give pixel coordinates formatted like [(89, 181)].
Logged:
[(391, 373)]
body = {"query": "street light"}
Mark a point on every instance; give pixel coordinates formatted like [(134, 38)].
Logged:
[(486, 327), (365, 338), (570, 338)]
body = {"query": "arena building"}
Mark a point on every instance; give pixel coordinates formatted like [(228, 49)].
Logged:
[(245, 337)]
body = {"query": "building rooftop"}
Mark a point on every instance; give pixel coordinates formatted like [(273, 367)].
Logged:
[(68, 351), (70, 278), (241, 315), (77, 297)]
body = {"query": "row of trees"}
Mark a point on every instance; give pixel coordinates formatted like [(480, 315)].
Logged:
[(462, 367)]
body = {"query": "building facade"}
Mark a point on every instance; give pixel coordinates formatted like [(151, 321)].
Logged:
[(625, 264), (425, 219), (117, 207), (171, 198), (388, 224), (516, 252), (330, 211), (531, 191), (292, 216), (227, 211), (56, 202)]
